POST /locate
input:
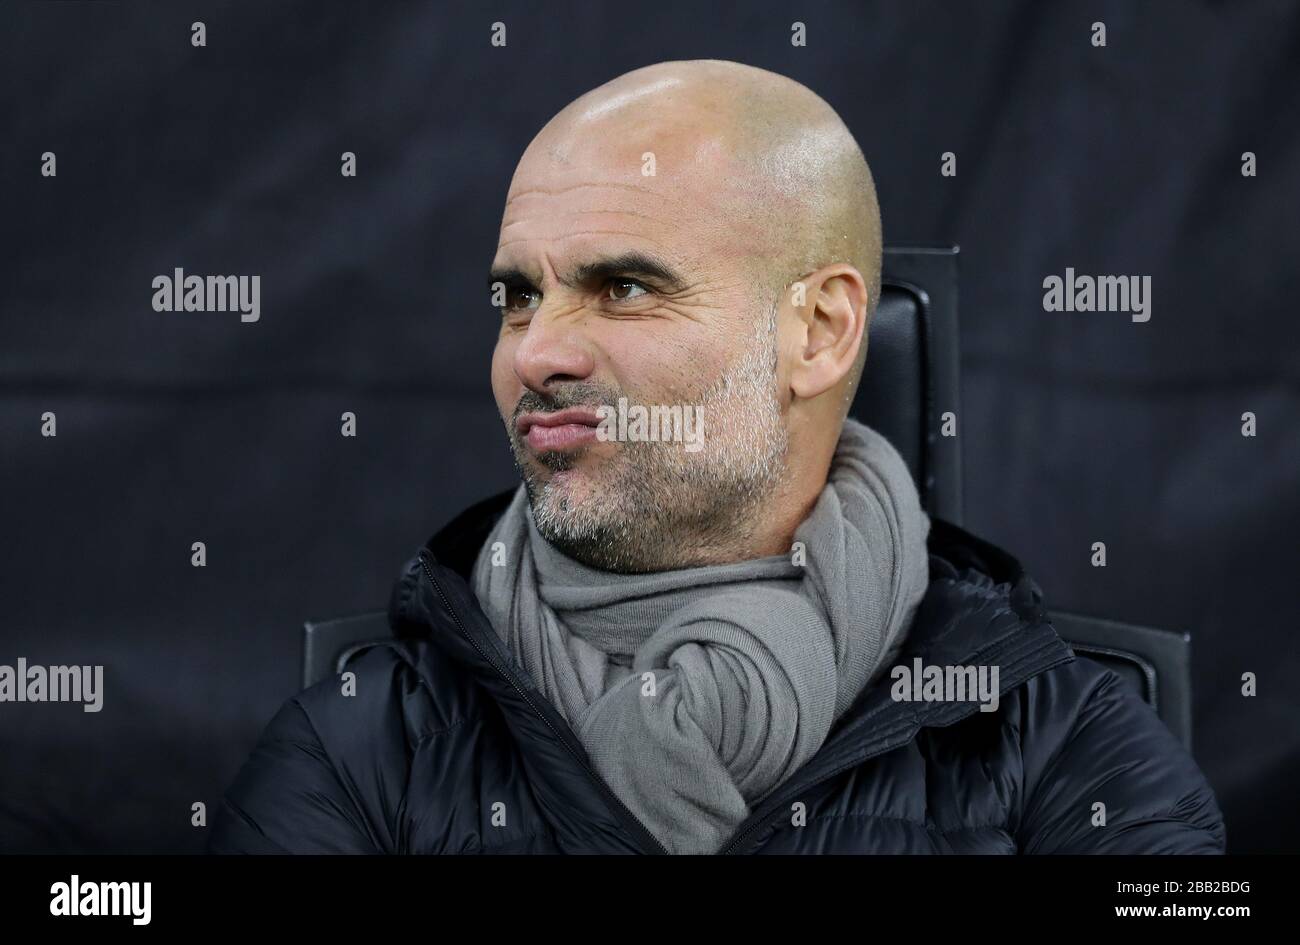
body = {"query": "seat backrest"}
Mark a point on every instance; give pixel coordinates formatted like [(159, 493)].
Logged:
[(911, 377), (1155, 663), (327, 645)]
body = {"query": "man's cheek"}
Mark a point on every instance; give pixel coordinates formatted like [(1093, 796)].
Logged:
[(505, 386)]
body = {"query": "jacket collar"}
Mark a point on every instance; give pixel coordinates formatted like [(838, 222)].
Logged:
[(980, 608)]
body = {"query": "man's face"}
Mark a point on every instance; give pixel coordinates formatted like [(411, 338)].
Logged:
[(624, 285)]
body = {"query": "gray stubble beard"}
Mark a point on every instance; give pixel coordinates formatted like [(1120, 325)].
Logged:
[(657, 507)]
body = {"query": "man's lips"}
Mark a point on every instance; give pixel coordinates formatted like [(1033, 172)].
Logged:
[(562, 430)]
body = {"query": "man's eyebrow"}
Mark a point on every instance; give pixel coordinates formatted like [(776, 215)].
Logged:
[(512, 277), (633, 264)]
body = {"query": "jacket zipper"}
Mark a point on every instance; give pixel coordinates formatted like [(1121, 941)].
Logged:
[(747, 828), (606, 790)]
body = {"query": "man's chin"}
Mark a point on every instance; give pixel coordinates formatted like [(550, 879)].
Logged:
[(575, 485), (570, 480)]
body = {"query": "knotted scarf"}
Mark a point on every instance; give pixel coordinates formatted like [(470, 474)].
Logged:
[(697, 691)]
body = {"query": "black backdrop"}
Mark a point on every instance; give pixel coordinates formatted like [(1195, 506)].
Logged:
[(183, 427)]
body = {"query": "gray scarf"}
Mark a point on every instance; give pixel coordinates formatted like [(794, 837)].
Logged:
[(698, 691)]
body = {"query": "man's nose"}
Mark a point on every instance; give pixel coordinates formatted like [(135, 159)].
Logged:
[(552, 350)]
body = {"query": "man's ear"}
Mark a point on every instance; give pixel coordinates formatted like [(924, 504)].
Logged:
[(832, 322)]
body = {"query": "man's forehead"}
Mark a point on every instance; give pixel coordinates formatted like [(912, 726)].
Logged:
[(570, 218), (556, 211), (557, 202), (636, 169), (572, 222)]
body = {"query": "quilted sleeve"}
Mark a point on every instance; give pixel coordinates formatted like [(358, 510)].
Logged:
[(327, 774), (1102, 773)]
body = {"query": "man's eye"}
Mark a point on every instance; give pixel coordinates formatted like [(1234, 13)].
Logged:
[(521, 299), (620, 290)]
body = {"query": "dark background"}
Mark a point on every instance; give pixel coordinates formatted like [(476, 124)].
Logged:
[(180, 427)]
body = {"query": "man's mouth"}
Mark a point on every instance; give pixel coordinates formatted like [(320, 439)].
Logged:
[(565, 429)]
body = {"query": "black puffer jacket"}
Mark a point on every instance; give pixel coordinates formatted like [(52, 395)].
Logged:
[(447, 747)]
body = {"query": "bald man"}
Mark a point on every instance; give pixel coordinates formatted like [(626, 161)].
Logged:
[(714, 616)]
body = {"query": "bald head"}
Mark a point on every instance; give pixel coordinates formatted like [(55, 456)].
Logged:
[(779, 159), (702, 234)]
